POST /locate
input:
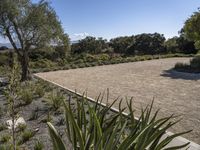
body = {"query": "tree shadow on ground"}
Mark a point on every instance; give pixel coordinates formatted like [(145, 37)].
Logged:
[(173, 74)]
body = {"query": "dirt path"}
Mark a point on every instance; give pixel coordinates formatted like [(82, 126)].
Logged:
[(174, 92)]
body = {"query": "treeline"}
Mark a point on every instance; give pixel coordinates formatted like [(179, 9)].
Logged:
[(142, 44)]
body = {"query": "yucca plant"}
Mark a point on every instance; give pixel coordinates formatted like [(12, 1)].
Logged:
[(99, 128)]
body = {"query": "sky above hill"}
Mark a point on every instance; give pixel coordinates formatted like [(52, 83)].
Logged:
[(112, 18)]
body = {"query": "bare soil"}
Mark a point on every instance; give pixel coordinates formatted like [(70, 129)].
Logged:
[(173, 92)]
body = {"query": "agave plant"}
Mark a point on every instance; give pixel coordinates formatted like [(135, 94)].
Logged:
[(99, 128)]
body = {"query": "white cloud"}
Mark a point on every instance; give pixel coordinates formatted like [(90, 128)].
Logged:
[(79, 36)]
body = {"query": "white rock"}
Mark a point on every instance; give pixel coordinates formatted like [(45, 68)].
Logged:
[(17, 122)]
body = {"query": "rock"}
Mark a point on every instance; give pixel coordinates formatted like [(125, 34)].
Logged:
[(17, 122), (3, 81)]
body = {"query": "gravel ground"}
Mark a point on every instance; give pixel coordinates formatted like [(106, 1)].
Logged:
[(173, 92)]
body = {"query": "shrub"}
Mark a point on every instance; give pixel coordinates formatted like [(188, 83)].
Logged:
[(192, 67), (82, 65), (90, 58), (39, 145), (73, 66), (3, 127), (55, 99), (103, 57), (26, 135), (21, 127), (42, 63), (39, 90), (195, 62), (26, 96), (5, 138), (3, 59)]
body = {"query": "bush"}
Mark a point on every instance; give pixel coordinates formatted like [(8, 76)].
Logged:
[(42, 63), (103, 57), (90, 58), (192, 67), (3, 127), (39, 145), (5, 138), (39, 90), (26, 95), (4, 59), (26, 135), (56, 99), (195, 62)]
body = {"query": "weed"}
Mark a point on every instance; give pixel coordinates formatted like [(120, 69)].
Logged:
[(26, 96), (39, 90), (56, 99), (3, 127), (5, 138), (21, 127), (26, 135), (38, 145)]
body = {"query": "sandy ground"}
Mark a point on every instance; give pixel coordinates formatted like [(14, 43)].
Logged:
[(173, 92)]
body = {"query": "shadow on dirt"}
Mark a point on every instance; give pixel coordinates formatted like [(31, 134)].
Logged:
[(180, 75)]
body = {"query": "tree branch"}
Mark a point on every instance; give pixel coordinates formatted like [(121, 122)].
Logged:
[(12, 42)]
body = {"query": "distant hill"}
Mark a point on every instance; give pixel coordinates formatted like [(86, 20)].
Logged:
[(74, 42), (8, 45)]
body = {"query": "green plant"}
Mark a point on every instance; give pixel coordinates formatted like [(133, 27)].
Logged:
[(55, 99), (47, 119), (193, 66), (21, 127), (39, 90), (11, 93), (3, 127), (26, 95), (34, 115), (5, 138), (26, 135), (39, 145), (100, 130)]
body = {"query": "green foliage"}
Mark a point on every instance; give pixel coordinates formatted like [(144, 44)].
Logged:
[(55, 99), (92, 127), (39, 90), (5, 138), (21, 127), (3, 59), (26, 95), (26, 136), (180, 45), (89, 45), (121, 44), (42, 63), (103, 57), (191, 28), (2, 127), (39, 145), (192, 67)]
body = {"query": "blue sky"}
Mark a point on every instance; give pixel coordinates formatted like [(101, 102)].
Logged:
[(112, 18)]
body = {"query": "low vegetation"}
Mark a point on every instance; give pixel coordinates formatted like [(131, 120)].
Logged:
[(192, 67), (93, 127)]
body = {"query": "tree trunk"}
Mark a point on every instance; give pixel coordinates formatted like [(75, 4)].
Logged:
[(25, 74)]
